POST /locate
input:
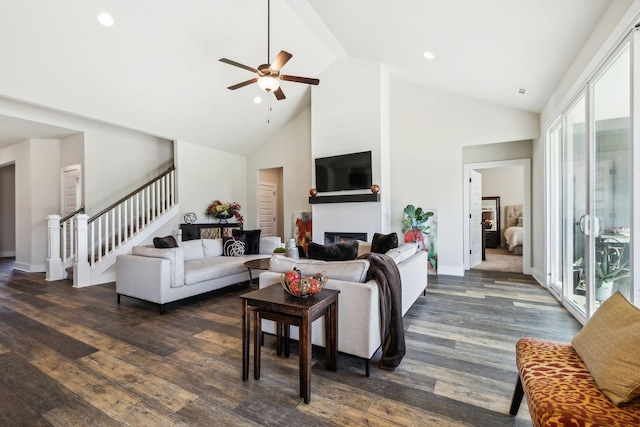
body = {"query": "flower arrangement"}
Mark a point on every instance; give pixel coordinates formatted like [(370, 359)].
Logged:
[(222, 211)]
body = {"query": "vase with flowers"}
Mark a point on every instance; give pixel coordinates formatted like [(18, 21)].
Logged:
[(224, 211)]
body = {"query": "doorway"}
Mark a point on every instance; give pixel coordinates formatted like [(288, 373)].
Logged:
[(8, 211), (270, 203), (494, 175)]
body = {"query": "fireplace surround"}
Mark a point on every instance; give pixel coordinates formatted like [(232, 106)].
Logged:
[(335, 237)]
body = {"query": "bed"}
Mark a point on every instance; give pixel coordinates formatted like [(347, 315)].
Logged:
[(513, 228)]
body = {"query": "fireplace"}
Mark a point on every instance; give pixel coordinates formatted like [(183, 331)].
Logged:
[(335, 237)]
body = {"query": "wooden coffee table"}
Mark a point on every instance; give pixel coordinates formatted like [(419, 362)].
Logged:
[(257, 264), (274, 303)]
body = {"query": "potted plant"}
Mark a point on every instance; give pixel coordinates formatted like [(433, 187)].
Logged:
[(224, 211), (610, 267), (415, 222)]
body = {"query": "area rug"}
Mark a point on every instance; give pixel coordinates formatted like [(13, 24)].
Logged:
[(500, 260)]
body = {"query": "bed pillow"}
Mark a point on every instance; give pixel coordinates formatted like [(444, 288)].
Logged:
[(251, 239), (341, 251), (519, 223), (382, 243), (608, 345)]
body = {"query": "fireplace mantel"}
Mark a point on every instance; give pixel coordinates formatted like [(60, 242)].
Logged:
[(345, 198)]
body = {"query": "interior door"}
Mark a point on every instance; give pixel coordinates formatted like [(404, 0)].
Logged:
[(475, 217), (267, 208)]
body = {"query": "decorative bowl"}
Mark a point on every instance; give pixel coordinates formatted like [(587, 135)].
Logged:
[(302, 286)]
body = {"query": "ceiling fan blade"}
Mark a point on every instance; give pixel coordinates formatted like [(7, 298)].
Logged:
[(237, 64), (279, 94), (243, 84), (282, 58), (297, 79)]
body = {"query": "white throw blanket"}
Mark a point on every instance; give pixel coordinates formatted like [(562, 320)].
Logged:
[(513, 236)]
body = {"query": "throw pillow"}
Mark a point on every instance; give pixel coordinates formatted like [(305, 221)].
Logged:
[(232, 247), (165, 242), (608, 345), (251, 239), (381, 243), (342, 251), (363, 247)]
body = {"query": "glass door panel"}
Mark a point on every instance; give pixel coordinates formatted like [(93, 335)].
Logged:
[(611, 169), (574, 189)]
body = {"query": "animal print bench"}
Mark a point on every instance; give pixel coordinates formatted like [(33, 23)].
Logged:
[(560, 390)]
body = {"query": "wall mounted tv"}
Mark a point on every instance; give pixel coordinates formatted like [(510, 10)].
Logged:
[(345, 172)]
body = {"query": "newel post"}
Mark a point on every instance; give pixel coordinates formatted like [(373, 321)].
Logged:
[(53, 266), (81, 267)]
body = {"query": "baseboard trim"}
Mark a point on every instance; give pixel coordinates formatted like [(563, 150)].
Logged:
[(7, 254), (36, 268), (450, 271)]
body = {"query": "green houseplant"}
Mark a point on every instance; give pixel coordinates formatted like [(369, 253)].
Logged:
[(610, 266)]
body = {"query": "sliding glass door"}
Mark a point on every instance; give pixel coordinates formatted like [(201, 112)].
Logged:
[(589, 154)]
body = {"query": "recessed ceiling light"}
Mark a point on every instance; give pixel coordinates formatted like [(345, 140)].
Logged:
[(428, 55), (257, 100), (105, 19), (520, 91)]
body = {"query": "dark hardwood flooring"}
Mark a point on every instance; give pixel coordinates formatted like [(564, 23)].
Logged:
[(74, 357)]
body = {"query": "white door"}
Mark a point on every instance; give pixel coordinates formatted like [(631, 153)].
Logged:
[(71, 198), (267, 209), (475, 217)]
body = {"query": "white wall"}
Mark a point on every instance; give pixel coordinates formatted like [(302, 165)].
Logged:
[(206, 174), (289, 149), (428, 130), (350, 114)]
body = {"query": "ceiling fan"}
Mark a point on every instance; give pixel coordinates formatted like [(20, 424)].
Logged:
[(269, 76)]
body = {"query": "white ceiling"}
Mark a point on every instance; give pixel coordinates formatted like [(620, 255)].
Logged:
[(157, 68)]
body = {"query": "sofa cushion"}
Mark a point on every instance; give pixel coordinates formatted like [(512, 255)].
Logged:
[(381, 243), (351, 271), (342, 251), (268, 244), (192, 249), (175, 257), (608, 345), (251, 239), (232, 247), (165, 242), (212, 268), (403, 252), (212, 247)]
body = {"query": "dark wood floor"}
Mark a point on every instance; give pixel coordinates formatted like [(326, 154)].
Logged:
[(74, 357)]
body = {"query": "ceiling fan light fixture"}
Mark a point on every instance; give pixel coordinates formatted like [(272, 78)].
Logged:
[(268, 83)]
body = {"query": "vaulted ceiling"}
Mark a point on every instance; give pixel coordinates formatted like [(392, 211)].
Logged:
[(157, 68)]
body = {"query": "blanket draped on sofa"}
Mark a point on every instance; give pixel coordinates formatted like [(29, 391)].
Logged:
[(384, 271)]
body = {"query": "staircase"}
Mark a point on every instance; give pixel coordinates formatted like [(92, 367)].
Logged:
[(90, 245)]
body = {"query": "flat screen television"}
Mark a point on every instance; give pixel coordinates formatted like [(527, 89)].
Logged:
[(345, 172)]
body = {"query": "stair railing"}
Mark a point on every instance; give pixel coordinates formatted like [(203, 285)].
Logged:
[(85, 241)]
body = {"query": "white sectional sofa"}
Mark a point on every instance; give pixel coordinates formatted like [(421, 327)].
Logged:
[(196, 266), (358, 303)]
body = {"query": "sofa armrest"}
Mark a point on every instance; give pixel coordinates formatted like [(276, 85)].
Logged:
[(358, 314), (143, 277)]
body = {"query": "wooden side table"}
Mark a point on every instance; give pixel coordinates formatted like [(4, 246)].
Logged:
[(274, 303), (257, 264)]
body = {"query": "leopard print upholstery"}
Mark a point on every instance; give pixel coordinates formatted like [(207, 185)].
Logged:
[(561, 392)]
